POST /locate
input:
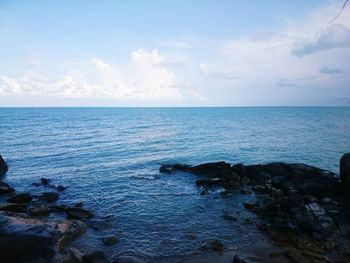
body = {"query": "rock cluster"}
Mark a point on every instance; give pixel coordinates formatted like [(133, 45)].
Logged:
[(296, 198), (26, 232)]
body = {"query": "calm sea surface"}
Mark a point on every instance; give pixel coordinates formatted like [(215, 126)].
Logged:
[(109, 158)]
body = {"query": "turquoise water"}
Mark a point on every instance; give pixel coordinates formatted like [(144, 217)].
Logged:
[(109, 158)]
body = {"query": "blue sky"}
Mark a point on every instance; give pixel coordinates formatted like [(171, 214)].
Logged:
[(174, 53)]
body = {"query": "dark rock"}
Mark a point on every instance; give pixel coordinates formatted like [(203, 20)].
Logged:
[(324, 225), (167, 169), (237, 259), (204, 192), (326, 200), (171, 168), (20, 198), (5, 188), (45, 181), (49, 196), (3, 167), (315, 209), (128, 259), (60, 188), (94, 256), (78, 213), (213, 245), (294, 255), (345, 171), (80, 204), (258, 188), (239, 169), (25, 248), (75, 255), (39, 210), (208, 182), (17, 208), (218, 169), (309, 199), (110, 240), (229, 217), (246, 191), (251, 204)]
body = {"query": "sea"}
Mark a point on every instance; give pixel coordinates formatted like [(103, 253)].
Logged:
[(109, 159)]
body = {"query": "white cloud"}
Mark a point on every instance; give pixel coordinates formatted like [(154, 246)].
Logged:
[(269, 72), (335, 36), (144, 79)]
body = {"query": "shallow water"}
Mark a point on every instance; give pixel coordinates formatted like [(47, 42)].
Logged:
[(109, 158)]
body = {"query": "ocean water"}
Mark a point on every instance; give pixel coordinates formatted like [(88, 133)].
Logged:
[(109, 159)]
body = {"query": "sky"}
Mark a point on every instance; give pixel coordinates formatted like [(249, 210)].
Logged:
[(174, 53)]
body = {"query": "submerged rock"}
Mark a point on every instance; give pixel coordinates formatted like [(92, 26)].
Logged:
[(110, 240), (5, 188), (95, 256), (17, 208), (49, 196), (45, 181), (208, 182), (20, 198), (237, 259), (3, 166), (345, 171), (39, 210), (213, 245), (78, 213)]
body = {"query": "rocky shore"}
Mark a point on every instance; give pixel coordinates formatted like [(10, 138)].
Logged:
[(304, 211), (29, 234), (299, 206)]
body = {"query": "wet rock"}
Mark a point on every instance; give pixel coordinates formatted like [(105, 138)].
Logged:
[(277, 193), (75, 255), (3, 167), (167, 169), (251, 204), (171, 168), (240, 170), (49, 196), (249, 221), (294, 255), (237, 259), (20, 198), (25, 248), (246, 191), (258, 188), (3, 219), (345, 171), (324, 225), (213, 245), (110, 240), (17, 208), (326, 200), (80, 204), (5, 188), (277, 181), (94, 257), (45, 181), (204, 192), (60, 188), (39, 210), (127, 259), (310, 199), (78, 213), (315, 209), (208, 182), (229, 217)]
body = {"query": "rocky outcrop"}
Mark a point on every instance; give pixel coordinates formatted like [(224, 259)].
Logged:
[(345, 171), (3, 166), (299, 199)]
